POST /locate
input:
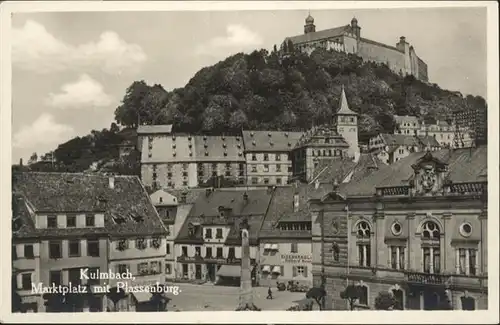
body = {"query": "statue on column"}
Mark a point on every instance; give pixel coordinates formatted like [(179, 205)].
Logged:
[(246, 290)]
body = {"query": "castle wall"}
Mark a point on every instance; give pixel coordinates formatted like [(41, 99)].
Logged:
[(350, 44), (422, 70), (381, 54)]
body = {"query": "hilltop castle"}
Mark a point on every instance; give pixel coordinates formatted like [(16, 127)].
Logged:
[(401, 58)]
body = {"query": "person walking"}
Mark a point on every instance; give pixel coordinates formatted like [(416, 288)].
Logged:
[(269, 293)]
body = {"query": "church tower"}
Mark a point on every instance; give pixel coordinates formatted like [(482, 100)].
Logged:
[(346, 123), (309, 27)]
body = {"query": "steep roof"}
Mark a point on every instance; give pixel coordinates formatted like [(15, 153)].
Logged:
[(319, 35), (399, 139), (205, 211), (80, 193), (343, 106), (23, 225), (464, 165), (154, 129), (272, 141), (220, 148), (427, 140), (281, 209), (314, 137)]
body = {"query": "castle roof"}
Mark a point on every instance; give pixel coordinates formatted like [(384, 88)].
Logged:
[(315, 136), (319, 35), (272, 141), (343, 106), (64, 193)]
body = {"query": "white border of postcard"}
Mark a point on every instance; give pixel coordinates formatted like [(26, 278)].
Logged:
[(490, 316)]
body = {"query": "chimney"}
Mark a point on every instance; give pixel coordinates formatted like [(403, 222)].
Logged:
[(111, 179), (20, 161)]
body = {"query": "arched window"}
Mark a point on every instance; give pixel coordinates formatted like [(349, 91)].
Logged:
[(398, 297), (431, 249), (468, 303), (363, 234)]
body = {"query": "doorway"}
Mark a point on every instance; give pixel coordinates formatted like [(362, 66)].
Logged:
[(197, 272), (431, 300), (211, 271)]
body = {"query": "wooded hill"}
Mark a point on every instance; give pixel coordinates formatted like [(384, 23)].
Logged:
[(267, 91)]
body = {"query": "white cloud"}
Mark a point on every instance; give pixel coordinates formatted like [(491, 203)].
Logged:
[(43, 133), (35, 49), (238, 38), (83, 93)]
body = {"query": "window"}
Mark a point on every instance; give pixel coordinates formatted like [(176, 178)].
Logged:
[(168, 269), (231, 253), (364, 243), (55, 250), (51, 221), (89, 220), (254, 169), (294, 248), (93, 273), (255, 180), (466, 261), (219, 252), (122, 268), (278, 181), (197, 251), (184, 183), (266, 180), (70, 221), (278, 157), (336, 252), (93, 248), (254, 157), (184, 251), (278, 168), (14, 252), (398, 257), (185, 273), (398, 297), (208, 253), (266, 168), (122, 244), (208, 233), (74, 276), (142, 268), (140, 243), (28, 251), (300, 270), (74, 248), (156, 267), (218, 234), (431, 247), (26, 281), (55, 277)]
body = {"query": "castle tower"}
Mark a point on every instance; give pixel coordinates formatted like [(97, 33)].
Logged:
[(309, 27), (355, 28), (346, 123)]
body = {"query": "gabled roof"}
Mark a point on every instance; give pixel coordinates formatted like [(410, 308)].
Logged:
[(399, 139), (343, 106), (464, 165), (84, 193), (319, 35), (427, 140), (219, 148), (271, 141), (281, 209), (314, 137), (154, 129)]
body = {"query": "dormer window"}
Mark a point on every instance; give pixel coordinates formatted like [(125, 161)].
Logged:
[(117, 218), (156, 242), (174, 145), (253, 142), (122, 244), (206, 153), (140, 243), (224, 145)]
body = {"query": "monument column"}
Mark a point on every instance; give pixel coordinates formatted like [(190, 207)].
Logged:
[(246, 290)]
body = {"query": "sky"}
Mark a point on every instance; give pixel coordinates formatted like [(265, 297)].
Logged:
[(71, 69)]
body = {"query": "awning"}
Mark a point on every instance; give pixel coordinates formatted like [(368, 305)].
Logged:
[(277, 269), (266, 268), (142, 296), (230, 271), (274, 246), (267, 246)]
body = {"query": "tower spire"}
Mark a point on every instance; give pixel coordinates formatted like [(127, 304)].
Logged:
[(343, 106)]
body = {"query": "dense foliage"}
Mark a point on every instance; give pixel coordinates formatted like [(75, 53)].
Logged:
[(269, 91)]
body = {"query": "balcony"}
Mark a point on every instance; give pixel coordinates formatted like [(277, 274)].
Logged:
[(418, 278)]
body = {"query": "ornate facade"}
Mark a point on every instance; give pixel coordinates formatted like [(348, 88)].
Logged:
[(418, 231)]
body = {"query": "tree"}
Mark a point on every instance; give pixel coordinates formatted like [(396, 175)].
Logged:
[(385, 301), (159, 300), (318, 294), (351, 293), (116, 295), (238, 119), (128, 112)]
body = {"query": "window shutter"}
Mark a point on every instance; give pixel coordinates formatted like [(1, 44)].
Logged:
[(282, 270), (36, 249), (305, 271), (294, 268), (19, 281)]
